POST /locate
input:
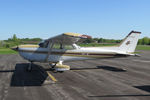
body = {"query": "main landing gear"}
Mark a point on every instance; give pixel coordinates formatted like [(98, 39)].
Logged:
[(59, 67), (29, 68)]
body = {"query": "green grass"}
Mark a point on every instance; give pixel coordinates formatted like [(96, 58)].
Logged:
[(7, 51), (143, 47)]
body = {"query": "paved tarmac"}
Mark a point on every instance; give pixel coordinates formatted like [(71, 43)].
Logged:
[(105, 79)]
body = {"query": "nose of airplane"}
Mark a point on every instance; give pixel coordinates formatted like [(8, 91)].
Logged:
[(15, 48)]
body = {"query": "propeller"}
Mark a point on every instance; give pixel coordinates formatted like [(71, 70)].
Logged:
[(15, 48)]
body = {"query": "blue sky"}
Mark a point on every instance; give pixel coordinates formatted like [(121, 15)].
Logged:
[(98, 18)]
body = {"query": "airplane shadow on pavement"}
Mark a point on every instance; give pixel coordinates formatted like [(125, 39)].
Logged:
[(21, 77), (108, 68), (143, 87)]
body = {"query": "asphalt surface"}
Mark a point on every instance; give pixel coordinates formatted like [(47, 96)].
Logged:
[(105, 79)]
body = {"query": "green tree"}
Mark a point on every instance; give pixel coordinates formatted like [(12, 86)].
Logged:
[(140, 42), (7, 45), (88, 41), (1, 44), (100, 40), (145, 41), (14, 38)]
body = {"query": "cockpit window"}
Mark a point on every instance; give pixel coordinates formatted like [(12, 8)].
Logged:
[(44, 44)]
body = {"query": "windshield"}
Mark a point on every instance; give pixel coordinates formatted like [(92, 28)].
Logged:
[(43, 44)]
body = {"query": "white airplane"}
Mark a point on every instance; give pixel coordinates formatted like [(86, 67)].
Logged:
[(63, 47)]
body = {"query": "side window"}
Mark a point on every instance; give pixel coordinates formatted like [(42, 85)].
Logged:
[(62, 46), (68, 47), (56, 46)]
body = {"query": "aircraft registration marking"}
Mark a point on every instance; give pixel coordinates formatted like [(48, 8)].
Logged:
[(52, 77)]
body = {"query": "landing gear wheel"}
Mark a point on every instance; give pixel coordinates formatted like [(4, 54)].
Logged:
[(62, 68), (59, 67), (55, 71), (52, 66)]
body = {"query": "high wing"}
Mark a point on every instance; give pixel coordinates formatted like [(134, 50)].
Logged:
[(67, 38)]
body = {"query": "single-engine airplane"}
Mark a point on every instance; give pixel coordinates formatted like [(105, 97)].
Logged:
[(63, 47)]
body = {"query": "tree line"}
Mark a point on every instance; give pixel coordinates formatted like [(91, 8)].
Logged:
[(14, 41), (143, 41)]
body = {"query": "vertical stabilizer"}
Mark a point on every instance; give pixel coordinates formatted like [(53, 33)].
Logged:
[(128, 45)]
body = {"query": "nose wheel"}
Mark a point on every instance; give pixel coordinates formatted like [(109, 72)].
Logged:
[(59, 67), (52, 65)]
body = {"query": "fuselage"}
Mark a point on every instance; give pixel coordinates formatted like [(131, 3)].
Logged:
[(57, 49), (38, 54)]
